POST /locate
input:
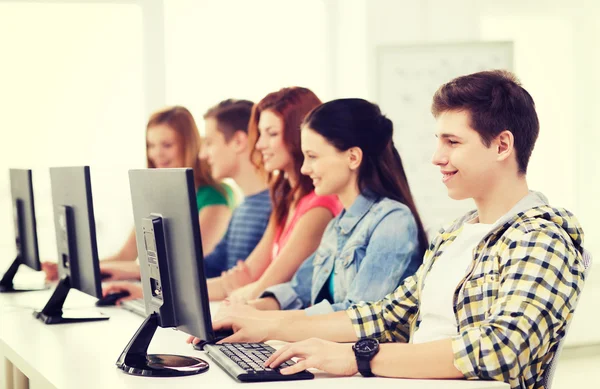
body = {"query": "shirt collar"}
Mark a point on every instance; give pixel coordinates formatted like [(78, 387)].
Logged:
[(351, 216)]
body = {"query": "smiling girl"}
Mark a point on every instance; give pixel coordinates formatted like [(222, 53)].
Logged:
[(299, 215)]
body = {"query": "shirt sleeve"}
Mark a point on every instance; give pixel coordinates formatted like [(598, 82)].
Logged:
[(392, 247), (207, 196), (216, 262), (539, 286), (330, 202), (296, 293), (388, 319)]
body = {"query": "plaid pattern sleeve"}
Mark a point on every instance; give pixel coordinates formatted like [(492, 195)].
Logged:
[(388, 319), (540, 276)]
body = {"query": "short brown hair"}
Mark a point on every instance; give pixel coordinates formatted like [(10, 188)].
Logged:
[(231, 115), (495, 101)]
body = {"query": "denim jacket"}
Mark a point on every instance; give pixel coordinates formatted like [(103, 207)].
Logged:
[(371, 248)]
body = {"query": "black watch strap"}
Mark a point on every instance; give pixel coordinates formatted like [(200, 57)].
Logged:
[(364, 367)]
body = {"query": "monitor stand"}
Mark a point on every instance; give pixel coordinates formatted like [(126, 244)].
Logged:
[(6, 283), (53, 313), (135, 359)]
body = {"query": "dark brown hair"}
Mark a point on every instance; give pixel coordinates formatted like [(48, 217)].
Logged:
[(290, 105), (347, 123), (495, 101), (231, 115), (180, 120)]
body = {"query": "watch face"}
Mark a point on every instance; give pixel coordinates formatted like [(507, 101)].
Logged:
[(366, 346)]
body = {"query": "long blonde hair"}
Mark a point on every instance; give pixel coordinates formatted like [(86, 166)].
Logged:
[(182, 122)]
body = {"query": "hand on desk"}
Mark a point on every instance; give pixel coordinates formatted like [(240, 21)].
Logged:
[(236, 277), (331, 357), (120, 270), (51, 270), (244, 294), (135, 290)]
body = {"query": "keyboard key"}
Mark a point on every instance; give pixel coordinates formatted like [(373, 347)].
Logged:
[(251, 358)]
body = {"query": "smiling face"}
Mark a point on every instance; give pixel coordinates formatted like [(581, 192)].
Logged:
[(468, 167), (271, 144), (164, 147), (329, 168)]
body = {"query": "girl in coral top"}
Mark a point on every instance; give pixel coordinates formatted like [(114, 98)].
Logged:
[(299, 215)]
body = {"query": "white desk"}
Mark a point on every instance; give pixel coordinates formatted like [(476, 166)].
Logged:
[(73, 356)]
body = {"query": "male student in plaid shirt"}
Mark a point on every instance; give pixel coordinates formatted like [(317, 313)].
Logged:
[(497, 287)]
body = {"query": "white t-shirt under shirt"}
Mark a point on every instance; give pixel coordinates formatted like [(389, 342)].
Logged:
[(436, 299)]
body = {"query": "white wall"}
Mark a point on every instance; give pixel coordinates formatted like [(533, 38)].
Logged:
[(216, 50), (72, 94), (79, 80)]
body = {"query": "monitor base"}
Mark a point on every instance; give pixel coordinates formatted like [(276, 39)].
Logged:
[(163, 365), (60, 319), (6, 283), (135, 359), (11, 289)]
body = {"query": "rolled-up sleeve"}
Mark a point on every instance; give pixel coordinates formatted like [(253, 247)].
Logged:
[(388, 319)]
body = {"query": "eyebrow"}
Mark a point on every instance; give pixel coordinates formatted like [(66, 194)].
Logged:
[(445, 135), (265, 129)]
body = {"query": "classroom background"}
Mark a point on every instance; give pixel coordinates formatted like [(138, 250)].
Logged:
[(79, 78)]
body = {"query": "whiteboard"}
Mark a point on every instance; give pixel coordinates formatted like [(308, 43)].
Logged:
[(407, 76)]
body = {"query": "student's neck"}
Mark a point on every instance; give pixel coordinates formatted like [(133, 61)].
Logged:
[(292, 178), (249, 179), (349, 196), (499, 199)]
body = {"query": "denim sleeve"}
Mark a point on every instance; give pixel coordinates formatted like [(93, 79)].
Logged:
[(296, 293), (392, 248), (216, 261)]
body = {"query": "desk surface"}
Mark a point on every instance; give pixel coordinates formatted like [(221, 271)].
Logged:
[(72, 356)]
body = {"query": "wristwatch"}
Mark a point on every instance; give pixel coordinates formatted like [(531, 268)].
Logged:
[(365, 350)]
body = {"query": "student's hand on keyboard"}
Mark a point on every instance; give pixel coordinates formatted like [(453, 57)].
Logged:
[(135, 290), (246, 329), (236, 277), (229, 308), (120, 270), (331, 357)]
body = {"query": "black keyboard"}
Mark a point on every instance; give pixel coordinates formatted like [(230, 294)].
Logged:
[(246, 362)]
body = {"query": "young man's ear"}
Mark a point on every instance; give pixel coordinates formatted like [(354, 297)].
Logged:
[(239, 140), (505, 145), (355, 156)]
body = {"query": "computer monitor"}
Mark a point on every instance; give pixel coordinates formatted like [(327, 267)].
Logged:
[(21, 189), (171, 267), (75, 231)]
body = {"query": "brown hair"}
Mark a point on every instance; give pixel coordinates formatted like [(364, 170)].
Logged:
[(495, 101), (290, 105), (231, 115), (180, 120)]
